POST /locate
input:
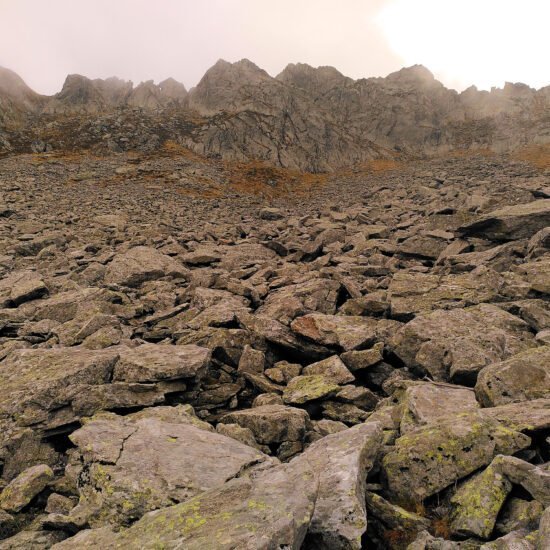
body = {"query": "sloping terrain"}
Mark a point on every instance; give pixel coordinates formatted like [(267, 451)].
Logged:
[(223, 353)]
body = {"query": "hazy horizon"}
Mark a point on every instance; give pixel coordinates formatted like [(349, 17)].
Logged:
[(462, 44)]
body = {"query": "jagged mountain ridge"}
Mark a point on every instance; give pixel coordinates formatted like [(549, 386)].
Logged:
[(305, 118)]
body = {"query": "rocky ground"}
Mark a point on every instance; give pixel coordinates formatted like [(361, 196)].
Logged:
[(201, 355)]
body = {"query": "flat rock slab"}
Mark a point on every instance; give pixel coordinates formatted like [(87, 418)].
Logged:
[(268, 509), (155, 362), (425, 402), (511, 222), (531, 417), (412, 293), (332, 368), (302, 389), (37, 381), (141, 264), (53, 387), (20, 287), (150, 460)]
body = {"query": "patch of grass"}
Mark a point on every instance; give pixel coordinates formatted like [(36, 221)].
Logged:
[(537, 155)]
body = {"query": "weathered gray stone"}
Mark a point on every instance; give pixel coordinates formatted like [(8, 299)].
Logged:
[(141, 264), (395, 517), (523, 377), (268, 509), (302, 389), (477, 503), (150, 460), (332, 369), (425, 403), (432, 457), (155, 362), (21, 286), (343, 331), (341, 462), (457, 344), (271, 423), (25, 487), (511, 222)]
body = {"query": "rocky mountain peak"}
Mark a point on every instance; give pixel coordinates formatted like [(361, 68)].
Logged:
[(173, 89), (415, 75), (221, 85), (315, 80), (11, 84)]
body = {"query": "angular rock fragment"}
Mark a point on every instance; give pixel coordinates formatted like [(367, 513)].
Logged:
[(346, 332), (315, 295), (477, 503), (511, 222), (432, 457), (155, 362), (268, 509), (302, 389), (393, 516), (141, 264), (148, 460), (523, 377), (457, 344), (20, 287), (341, 462), (25, 487), (332, 369), (425, 403), (271, 423), (518, 514)]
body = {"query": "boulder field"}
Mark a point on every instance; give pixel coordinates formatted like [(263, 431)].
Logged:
[(359, 362)]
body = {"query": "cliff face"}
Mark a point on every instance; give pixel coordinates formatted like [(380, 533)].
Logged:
[(305, 118)]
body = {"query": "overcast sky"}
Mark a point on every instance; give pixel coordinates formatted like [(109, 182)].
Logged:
[(482, 42)]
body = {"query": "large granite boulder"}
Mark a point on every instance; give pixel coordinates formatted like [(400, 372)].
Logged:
[(270, 508), (523, 377), (434, 456), (455, 345), (341, 462), (130, 465)]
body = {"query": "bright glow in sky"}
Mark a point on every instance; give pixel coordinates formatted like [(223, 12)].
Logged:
[(482, 42)]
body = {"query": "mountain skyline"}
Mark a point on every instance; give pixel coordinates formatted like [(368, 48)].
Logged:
[(135, 84), (484, 44)]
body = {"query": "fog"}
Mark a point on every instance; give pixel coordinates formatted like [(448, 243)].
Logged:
[(143, 39)]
